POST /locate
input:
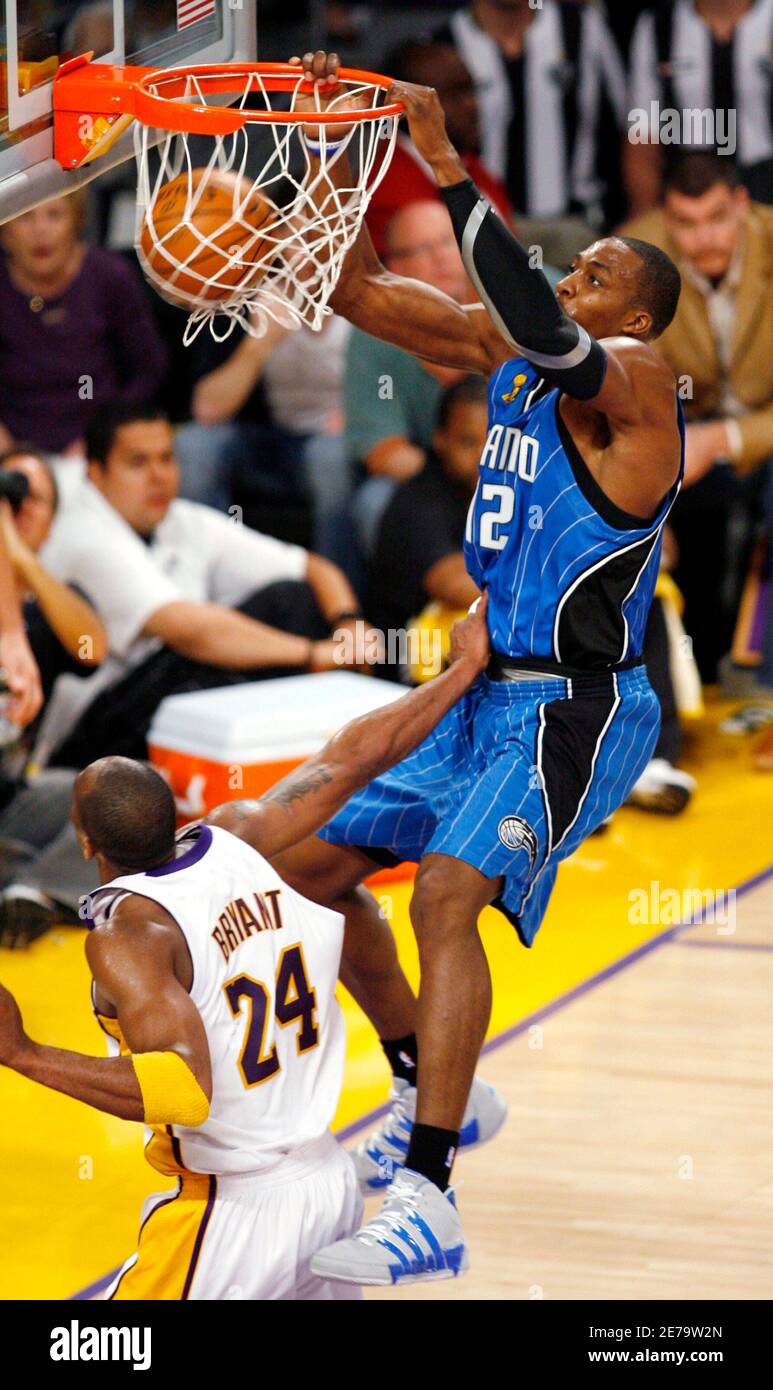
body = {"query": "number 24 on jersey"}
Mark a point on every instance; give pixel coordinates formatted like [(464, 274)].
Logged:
[(294, 1002)]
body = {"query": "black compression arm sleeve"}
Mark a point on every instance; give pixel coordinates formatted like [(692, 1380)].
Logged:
[(519, 299)]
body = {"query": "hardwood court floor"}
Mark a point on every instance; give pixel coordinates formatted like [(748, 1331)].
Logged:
[(637, 1160), (585, 1193)]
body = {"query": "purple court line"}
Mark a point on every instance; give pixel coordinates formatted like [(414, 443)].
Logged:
[(91, 1290), (561, 1002), (726, 945)]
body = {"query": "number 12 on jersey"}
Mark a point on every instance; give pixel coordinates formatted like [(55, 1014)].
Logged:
[(498, 515), (510, 452), (294, 1002)]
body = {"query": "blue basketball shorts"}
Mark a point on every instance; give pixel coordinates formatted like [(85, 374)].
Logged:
[(511, 781)]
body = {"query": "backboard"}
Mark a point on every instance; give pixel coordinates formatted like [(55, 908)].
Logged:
[(39, 35)]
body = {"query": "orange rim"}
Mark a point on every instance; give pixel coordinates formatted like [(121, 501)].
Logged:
[(170, 112)]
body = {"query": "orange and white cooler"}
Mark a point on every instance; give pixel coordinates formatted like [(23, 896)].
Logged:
[(238, 740)]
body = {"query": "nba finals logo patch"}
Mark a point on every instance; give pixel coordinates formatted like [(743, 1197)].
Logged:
[(516, 833), (519, 381)]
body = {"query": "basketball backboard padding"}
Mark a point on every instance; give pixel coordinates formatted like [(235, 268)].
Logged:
[(210, 31)]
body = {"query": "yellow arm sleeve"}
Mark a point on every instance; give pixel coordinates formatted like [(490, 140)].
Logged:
[(171, 1094)]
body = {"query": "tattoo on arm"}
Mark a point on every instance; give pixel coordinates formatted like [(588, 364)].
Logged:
[(300, 787)]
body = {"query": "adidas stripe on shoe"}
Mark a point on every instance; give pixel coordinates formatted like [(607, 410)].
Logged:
[(417, 1236), (379, 1157)]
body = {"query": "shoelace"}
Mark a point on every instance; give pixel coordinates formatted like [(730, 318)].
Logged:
[(401, 1194), (384, 1136), (402, 1191)]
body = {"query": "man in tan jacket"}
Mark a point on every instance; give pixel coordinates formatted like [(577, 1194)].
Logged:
[(720, 346)]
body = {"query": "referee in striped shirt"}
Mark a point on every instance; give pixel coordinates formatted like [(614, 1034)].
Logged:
[(711, 56), (550, 83)]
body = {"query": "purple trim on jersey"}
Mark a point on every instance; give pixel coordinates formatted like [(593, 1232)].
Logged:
[(163, 1203), (196, 852), (176, 1150), (200, 1237)]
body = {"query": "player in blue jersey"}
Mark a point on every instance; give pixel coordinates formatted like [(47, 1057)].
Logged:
[(582, 463)]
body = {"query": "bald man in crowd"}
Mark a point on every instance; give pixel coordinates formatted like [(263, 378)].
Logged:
[(390, 398)]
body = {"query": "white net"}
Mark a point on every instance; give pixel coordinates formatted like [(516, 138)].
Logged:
[(249, 226)]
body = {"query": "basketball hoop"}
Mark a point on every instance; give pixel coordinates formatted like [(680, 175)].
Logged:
[(211, 233)]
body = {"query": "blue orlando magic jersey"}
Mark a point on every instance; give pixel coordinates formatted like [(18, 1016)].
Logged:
[(570, 577)]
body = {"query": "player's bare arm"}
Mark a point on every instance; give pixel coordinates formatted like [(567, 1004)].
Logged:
[(628, 434), (405, 312), (136, 964), (301, 803), (414, 316)]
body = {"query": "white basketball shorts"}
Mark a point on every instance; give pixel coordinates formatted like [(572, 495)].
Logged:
[(246, 1236)]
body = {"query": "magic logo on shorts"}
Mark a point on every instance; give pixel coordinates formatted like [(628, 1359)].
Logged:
[(516, 833)]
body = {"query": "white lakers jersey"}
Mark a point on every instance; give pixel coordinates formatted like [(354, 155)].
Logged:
[(265, 965)]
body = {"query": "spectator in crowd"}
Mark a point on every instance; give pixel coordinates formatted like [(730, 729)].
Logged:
[(20, 692), (663, 787), (63, 628), (419, 554), (551, 91), (297, 446), (190, 598), (720, 347), (432, 63), (65, 634), (216, 439), (75, 329), (390, 398), (710, 59), (621, 20)]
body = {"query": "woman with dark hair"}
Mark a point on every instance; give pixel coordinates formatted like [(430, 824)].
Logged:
[(65, 635), (75, 329)]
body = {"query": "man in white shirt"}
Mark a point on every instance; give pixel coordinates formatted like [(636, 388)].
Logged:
[(190, 597)]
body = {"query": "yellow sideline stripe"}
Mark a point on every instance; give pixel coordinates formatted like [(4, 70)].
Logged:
[(74, 1179)]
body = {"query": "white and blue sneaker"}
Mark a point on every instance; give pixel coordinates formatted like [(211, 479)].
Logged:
[(379, 1157), (416, 1236)]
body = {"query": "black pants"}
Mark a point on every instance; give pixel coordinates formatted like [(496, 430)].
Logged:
[(118, 720), (714, 524), (656, 659)]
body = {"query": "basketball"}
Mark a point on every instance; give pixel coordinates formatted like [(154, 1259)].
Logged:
[(212, 248)]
